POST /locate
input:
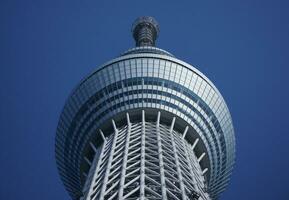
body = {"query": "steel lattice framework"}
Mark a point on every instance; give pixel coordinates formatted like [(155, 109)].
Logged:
[(146, 160)]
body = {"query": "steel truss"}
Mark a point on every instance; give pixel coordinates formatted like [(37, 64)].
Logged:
[(146, 160)]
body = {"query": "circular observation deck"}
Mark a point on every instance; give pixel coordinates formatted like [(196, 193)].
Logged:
[(150, 79)]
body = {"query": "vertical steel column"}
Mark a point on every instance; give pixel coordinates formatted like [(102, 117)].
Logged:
[(94, 171), (161, 162), (179, 171), (185, 132), (142, 170), (195, 144), (124, 163), (187, 155), (103, 188)]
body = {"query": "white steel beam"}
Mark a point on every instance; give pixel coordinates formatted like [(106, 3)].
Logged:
[(179, 171), (185, 132), (201, 157), (161, 162), (107, 170), (123, 171), (172, 125), (195, 143), (102, 135), (142, 164)]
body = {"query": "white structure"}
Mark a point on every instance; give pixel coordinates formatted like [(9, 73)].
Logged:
[(145, 126)]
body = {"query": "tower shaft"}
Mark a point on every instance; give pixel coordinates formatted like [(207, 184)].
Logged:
[(149, 150)]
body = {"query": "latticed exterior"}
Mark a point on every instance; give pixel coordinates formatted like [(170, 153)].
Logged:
[(145, 125), (146, 160)]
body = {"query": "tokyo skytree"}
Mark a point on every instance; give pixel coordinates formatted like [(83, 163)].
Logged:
[(145, 125)]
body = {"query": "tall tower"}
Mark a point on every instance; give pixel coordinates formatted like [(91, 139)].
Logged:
[(145, 125)]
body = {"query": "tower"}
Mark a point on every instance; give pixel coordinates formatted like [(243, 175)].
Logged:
[(145, 125)]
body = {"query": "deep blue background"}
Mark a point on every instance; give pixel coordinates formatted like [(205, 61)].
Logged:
[(47, 47)]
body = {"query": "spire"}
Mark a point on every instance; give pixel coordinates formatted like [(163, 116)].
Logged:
[(145, 31)]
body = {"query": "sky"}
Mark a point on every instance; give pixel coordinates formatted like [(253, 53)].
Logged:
[(47, 47)]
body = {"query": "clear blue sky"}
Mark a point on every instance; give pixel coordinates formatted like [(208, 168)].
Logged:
[(47, 47)]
